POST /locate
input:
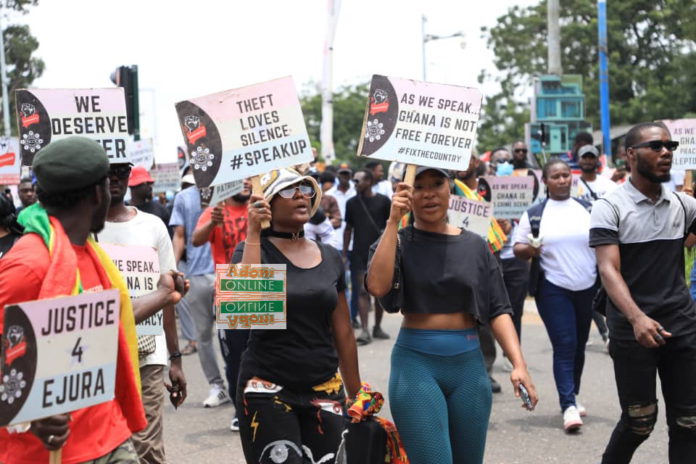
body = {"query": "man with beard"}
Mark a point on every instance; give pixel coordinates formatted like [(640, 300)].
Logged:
[(638, 233), (73, 188), (519, 156), (592, 187), (224, 226), (128, 226), (140, 183), (26, 193)]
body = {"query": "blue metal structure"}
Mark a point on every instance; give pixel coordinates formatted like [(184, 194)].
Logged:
[(604, 76)]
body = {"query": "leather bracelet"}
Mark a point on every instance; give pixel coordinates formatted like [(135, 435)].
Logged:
[(175, 355)]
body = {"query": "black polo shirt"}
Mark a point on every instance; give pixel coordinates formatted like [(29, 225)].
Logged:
[(650, 236)]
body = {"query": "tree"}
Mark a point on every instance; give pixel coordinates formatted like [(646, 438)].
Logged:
[(22, 67), (652, 61), (349, 109)]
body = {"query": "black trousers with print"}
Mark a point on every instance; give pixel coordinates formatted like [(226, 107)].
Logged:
[(281, 426)]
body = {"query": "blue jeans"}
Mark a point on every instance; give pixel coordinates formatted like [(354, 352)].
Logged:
[(567, 316), (693, 282)]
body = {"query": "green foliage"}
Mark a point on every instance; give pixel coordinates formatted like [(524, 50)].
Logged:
[(349, 109), (22, 67), (652, 61)]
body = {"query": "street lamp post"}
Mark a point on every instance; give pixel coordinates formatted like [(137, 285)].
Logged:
[(430, 37)]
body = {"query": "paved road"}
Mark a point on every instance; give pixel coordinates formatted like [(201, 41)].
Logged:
[(197, 435)]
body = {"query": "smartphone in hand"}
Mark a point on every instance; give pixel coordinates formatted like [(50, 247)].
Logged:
[(524, 394)]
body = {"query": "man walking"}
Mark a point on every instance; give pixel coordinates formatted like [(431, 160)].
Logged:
[(140, 183), (638, 232), (26, 193), (591, 186), (366, 217), (200, 268)]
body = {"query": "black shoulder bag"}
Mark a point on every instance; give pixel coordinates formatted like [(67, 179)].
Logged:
[(536, 273)]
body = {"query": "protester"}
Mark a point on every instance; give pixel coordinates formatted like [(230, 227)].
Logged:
[(200, 270), (26, 193), (556, 232), (466, 184), (592, 187), (638, 233), (500, 163), (439, 392), (366, 216), (379, 185), (519, 155), (293, 396), (140, 183), (128, 226), (327, 180), (73, 188), (224, 226), (619, 174), (10, 229)]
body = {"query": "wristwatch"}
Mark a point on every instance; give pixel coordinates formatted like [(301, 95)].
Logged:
[(175, 355)]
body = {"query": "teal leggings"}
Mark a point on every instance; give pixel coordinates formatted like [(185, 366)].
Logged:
[(440, 404)]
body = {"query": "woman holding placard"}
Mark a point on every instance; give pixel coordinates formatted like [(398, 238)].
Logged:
[(288, 383), (449, 281), (556, 234)]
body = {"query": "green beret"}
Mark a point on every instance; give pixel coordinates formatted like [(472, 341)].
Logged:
[(70, 164)]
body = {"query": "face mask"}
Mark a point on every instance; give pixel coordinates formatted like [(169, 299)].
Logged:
[(504, 169)]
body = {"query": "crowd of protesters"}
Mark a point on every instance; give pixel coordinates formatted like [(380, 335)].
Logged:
[(597, 242)]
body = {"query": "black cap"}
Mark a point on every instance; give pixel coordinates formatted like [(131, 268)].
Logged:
[(422, 169), (70, 164)]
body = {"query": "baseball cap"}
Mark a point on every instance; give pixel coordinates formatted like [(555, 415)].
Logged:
[(422, 169), (139, 175), (275, 181), (587, 150)]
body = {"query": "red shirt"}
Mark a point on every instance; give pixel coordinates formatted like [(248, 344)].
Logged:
[(94, 431), (224, 239)]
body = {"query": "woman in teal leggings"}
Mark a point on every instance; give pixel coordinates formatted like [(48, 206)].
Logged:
[(439, 392)]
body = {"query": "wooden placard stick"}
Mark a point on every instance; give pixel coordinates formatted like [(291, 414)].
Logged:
[(258, 190), (55, 457), (410, 176)]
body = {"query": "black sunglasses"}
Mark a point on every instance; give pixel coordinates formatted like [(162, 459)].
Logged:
[(657, 145), (122, 172), (520, 150)]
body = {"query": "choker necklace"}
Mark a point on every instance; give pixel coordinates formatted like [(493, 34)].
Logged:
[(289, 235)]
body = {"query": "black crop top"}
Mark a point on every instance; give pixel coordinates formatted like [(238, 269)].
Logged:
[(449, 274)]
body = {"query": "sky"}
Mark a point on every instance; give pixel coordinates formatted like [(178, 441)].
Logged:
[(186, 49)]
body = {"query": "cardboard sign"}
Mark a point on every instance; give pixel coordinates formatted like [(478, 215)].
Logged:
[(139, 266), (166, 176), (420, 123), (684, 132), (59, 355), (46, 115), (10, 161), (511, 195), (472, 215), (244, 132), (142, 153), (250, 296)]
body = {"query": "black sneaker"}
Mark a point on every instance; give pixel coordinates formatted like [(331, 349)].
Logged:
[(364, 338), (377, 332), (495, 386), (356, 324)]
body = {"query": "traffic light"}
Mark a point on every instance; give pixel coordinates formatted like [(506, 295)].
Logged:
[(127, 77)]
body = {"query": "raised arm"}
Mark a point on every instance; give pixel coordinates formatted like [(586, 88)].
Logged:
[(380, 273)]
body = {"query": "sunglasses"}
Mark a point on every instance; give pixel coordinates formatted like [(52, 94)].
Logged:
[(520, 150), (657, 145), (122, 172), (305, 189)]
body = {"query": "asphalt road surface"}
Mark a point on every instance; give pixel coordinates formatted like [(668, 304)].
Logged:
[(194, 434)]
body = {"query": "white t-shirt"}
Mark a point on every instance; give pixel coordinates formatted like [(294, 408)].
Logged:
[(384, 187), (342, 198), (144, 230), (324, 233), (676, 180), (600, 186), (566, 256)]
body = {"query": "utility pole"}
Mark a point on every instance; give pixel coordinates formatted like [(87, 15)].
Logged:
[(554, 39), (3, 74), (326, 128), (430, 37), (604, 77)]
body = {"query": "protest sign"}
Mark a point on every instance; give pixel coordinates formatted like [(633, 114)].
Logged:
[(471, 215), (420, 123), (59, 355), (511, 195), (46, 115), (142, 153), (250, 296), (244, 132), (684, 132), (10, 161), (166, 176), (139, 266), (224, 191)]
